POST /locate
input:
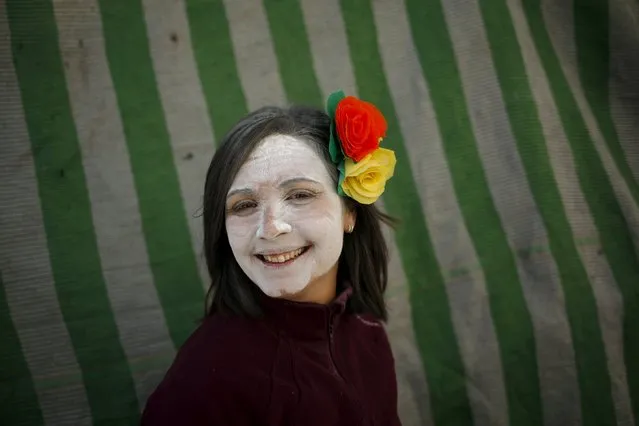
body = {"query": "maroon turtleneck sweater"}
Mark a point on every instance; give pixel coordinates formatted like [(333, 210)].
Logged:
[(301, 364)]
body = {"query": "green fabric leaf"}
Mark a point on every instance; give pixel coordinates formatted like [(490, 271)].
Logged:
[(334, 147), (342, 175), (332, 101)]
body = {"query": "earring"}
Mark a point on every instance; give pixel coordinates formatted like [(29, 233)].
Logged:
[(350, 228)]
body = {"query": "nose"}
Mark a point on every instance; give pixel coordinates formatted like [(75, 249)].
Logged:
[(272, 224)]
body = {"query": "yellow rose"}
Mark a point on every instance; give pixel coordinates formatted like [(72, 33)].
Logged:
[(365, 180)]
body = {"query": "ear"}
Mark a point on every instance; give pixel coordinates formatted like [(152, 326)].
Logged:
[(350, 217)]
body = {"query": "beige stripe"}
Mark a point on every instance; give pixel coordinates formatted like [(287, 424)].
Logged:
[(608, 297), (329, 46), (413, 402), (24, 260), (557, 13), (624, 83), (467, 294), (185, 109), (561, 34), (334, 70), (254, 53), (115, 209), (520, 217)]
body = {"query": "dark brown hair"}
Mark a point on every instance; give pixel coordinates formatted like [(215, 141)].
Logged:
[(364, 259)]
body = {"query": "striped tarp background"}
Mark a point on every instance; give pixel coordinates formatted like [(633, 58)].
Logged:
[(515, 274)]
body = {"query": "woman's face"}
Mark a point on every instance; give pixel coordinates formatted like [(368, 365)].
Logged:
[(285, 221)]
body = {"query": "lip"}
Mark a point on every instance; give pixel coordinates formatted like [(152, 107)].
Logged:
[(269, 265), (274, 252)]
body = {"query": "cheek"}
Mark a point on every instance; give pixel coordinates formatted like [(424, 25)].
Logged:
[(239, 231), (322, 220)]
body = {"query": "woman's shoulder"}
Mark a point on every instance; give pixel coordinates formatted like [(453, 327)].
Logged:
[(364, 323), (226, 342), (209, 376), (366, 332)]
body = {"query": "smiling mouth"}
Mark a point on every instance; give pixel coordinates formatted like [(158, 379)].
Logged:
[(281, 259)]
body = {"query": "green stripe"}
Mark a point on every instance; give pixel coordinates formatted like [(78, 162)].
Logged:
[(580, 301), (613, 230), (512, 320), (66, 210), (18, 400), (434, 331), (293, 51), (213, 51), (592, 36), (163, 216)]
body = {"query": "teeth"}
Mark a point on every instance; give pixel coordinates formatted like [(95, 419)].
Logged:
[(283, 257)]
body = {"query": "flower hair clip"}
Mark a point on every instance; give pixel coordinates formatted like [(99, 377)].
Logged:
[(357, 129)]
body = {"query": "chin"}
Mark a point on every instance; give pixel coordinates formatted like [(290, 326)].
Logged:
[(282, 292)]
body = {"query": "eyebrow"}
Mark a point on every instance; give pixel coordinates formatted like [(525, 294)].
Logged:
[(283, 184)]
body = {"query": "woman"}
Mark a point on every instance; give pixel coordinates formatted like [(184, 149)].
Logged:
[(298, 267)]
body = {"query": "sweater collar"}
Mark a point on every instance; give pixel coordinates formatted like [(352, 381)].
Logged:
[(305, 320)]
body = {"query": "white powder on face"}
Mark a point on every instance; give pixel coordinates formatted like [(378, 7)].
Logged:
[(287, 201)]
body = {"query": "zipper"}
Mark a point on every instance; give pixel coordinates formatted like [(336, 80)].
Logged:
[(348, 389), (330, 349)]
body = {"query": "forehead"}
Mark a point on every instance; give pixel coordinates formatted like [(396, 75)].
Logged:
[(281, 157)]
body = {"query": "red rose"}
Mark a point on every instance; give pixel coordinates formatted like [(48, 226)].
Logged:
[(360, 127)]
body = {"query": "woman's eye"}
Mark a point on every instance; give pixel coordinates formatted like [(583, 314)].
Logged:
[(242, 206), (301, 195)]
